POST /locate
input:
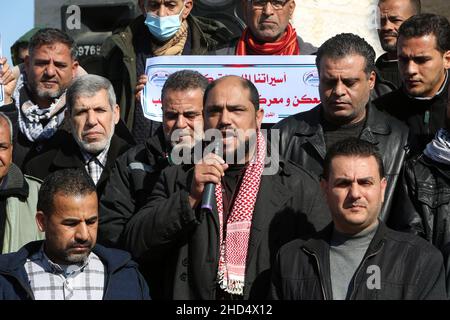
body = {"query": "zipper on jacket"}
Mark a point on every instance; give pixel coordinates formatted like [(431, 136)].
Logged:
[(320, 272), (426, 121), (359, 269)]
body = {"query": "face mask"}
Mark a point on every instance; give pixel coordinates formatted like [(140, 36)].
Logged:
[(163, 28)]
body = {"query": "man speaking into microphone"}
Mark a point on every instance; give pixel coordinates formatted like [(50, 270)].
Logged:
[(226, 253)]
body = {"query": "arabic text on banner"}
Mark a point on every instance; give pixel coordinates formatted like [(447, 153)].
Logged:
[(287, 84)]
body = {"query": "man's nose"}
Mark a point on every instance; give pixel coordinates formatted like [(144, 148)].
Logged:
[(82, 233), (91, 118)]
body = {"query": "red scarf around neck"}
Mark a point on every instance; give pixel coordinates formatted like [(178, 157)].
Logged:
[(286, 46)]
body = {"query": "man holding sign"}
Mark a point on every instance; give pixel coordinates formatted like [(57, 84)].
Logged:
[(165, 28)]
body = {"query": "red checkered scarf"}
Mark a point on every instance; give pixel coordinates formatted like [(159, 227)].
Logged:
[(233, 249)]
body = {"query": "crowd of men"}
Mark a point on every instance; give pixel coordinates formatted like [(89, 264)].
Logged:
[(98, 202)]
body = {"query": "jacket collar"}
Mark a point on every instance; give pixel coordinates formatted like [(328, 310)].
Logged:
[(311, 126), (272, 197), (13, 263), (69, 155), (16, 185), (319, 245), (156, 148)]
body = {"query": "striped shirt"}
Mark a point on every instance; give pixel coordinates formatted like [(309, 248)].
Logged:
[(50, 281)]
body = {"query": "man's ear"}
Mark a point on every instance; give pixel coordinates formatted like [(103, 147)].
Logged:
[(372, 80), (41, 221), (447, 60), (188, 5), (259, 117), (291, 9), (383, 188), (116, 114)]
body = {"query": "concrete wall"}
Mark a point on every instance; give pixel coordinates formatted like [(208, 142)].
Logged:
[(319, 20)]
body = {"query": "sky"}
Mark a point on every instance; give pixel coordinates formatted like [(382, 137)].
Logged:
[(17, 18)]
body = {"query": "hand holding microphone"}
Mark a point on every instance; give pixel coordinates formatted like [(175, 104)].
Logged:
[(207, 174)]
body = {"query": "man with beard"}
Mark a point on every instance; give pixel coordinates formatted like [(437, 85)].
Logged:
[(226, 253), (136, 172), (39, 95), (68, 265), (165, 28), (392, 14), (92, 113)]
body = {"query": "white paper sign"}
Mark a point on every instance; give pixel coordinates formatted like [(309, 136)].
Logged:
[(287, 84)]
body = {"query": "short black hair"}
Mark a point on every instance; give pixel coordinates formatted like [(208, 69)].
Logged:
[(246, 85), (49, 36), (416, 5), (352, 147), (346, 44), (184, 80), (427, 24), (69, 182)]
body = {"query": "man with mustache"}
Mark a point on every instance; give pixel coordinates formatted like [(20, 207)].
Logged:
[(268, 31), (40, 94), (392, 14), (346, 66), (423, 50), (92, 114), (357, 257), (137, 171), (226, 252), (68, 265), (165, 28)]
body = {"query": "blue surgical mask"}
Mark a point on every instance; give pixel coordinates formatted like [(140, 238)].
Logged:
[(163, 28)]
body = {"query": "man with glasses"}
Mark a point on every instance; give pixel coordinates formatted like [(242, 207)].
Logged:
[(165, 28), (268, 31)]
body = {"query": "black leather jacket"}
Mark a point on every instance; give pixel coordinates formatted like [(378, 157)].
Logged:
[(409, 269), (422, 204), (302, 141)]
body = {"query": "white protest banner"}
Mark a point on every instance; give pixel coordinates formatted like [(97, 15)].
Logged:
[(287, 84)]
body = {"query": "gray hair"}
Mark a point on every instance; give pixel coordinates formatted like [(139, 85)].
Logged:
[(88, 86), (8, 121)]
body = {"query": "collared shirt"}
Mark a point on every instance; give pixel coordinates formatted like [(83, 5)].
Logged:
[(50, 281), (94, 164)]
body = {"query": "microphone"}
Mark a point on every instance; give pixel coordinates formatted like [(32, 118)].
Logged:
[(209, 191)]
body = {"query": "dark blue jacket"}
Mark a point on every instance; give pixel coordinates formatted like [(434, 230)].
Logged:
[(122, 278)]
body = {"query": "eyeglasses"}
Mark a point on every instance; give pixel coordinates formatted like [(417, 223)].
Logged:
[(276, 4)]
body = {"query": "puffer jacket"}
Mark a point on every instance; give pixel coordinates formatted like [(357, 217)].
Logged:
[(119, 56), (302, 141), (396, 266), (422, 204)]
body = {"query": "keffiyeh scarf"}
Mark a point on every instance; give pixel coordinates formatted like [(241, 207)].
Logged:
[(31, 116), (234, 247)]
